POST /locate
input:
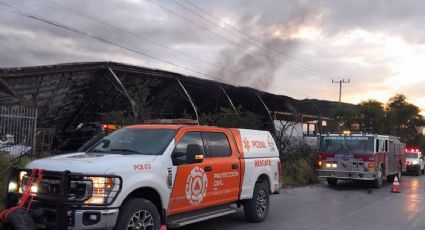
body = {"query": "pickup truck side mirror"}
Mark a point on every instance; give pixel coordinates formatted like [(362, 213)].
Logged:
[(194, 154)]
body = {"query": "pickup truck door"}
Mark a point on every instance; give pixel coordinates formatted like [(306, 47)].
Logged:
[(214, 181), (222, 161)]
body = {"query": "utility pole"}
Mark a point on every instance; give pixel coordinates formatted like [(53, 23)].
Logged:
[(340, 82)]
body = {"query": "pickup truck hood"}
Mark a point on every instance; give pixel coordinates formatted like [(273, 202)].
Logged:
[(95, 163)]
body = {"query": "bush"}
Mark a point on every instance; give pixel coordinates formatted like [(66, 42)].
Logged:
[(298, 168), (230, 118)]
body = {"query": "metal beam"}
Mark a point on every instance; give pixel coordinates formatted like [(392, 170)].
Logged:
[(5, 88), (123, 91), (230, 100), (190, 99), (265, 106), (268, 111)]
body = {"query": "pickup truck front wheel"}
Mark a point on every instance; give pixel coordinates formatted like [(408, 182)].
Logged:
[(137, 213), (257, 208)]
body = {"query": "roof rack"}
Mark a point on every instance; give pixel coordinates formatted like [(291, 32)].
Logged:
[(171, 121)]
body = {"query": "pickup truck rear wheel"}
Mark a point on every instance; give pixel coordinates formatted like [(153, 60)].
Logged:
[(257, 208), (137, 213)]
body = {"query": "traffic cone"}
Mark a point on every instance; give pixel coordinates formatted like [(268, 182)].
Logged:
[(163, 227), (396, 185)]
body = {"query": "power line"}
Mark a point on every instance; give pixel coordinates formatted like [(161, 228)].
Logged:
[(122, 30), (36, 17), (218, 19), (256, 41), (191, 22), (226, 39), (126, 31), (18, 11), (208, 20)]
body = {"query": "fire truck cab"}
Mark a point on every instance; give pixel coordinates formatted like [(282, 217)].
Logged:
[(366, 157)]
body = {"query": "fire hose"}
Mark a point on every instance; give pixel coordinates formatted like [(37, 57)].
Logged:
[(18, 217)]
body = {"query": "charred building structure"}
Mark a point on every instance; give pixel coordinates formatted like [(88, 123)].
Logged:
[(68, 94)]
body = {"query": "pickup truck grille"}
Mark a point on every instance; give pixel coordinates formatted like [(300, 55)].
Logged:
[(59, 194), (49, 188)]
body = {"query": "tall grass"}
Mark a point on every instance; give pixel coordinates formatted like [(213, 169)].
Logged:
[(298, 168)]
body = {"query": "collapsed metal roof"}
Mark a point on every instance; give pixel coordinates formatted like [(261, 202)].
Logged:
[(66, 93)]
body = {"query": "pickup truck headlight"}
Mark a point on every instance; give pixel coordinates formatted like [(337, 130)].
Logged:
[(104, 190), (96, 190), (13, 186), (414, 162), (20, 186)]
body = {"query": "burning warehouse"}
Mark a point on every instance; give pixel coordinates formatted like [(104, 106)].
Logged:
[(65, 96)]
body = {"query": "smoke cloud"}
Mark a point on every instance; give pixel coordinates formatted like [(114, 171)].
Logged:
[(254, 67)]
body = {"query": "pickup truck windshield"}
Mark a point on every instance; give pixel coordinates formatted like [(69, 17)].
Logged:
[(347, 145), (412, 155), (135, 141)]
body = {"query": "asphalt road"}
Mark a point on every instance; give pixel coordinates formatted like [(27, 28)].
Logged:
[(348, 206)]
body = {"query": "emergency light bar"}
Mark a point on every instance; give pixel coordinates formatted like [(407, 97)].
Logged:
[(412, 150), (171, 121), (110, 127)]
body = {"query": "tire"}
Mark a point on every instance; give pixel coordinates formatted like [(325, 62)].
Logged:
[(423, 171), (131, 215), (390, 178), (20, 219), (400, 172), (332, 181), (418, 173), (378, 182), (257, 208)]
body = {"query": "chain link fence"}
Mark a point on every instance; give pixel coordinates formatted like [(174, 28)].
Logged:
[(18, 126)]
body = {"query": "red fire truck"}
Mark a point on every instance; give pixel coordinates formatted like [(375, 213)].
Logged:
[(367, 157)]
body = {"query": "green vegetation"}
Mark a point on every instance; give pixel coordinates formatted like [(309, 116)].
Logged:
[(298, 168), (397, 117), (403, 120), (230, 118)]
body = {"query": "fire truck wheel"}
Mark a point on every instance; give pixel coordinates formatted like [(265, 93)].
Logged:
[(390, 178), (137, 213), (377, 183), (257, 208), (332, 181)]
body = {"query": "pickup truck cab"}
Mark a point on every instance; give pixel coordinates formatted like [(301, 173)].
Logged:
[(148, 176), (415, 161)]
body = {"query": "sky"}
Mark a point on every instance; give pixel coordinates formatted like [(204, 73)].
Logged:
[(286, 47)]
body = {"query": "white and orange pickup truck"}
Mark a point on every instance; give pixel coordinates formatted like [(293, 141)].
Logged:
[(153, 176)]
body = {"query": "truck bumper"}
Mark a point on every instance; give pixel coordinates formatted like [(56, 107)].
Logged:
[(346, 175), (412, 168), (95, 219), (52, 207)]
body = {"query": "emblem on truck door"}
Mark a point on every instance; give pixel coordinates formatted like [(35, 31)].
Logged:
[(196, 186)]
